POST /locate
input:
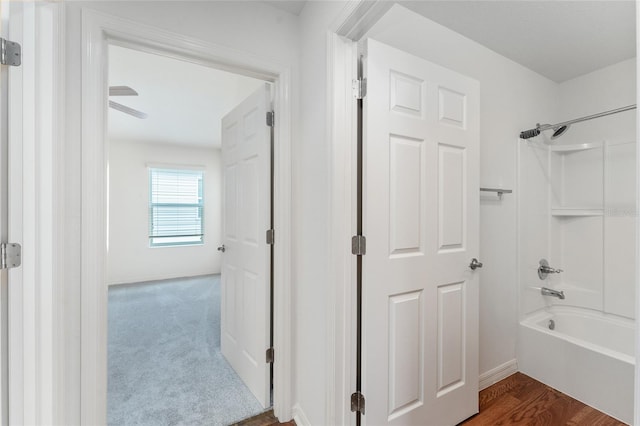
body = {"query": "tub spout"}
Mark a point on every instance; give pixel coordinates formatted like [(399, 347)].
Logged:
[(551, 292)]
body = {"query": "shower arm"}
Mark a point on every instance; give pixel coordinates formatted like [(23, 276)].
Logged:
[(539, 128)]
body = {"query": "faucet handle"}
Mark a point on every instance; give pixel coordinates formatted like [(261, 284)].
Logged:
[(544, 269)]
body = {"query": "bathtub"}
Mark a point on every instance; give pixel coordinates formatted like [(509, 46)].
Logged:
[(588, 355)]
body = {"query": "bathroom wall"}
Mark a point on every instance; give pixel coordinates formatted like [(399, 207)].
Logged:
[(312, 204), (605, 89), (590, 194), (129, 258), (512, 98)]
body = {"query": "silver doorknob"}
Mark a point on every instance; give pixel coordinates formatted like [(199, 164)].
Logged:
[(222, 248), (475, 264)]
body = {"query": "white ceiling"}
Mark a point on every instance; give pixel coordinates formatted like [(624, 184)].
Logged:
[(184, 101), (291, 6), (558, 39)]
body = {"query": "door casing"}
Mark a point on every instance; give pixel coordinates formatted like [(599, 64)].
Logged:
[(34, 130), (99, 30)]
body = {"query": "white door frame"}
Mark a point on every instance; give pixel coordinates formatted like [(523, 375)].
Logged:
[(98, 30), (35, 127), (354, 21)]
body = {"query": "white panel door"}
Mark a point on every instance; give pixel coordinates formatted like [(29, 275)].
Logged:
[(246, 159), (421, 197)]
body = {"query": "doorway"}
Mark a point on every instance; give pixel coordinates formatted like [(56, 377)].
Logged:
[(98, 31), (168, 210)]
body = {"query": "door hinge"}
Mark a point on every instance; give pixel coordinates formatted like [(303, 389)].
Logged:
[(271, 237), (360, 88), (359, 245), (271, 118), (270, 355), (10, 53), (10, 255), (357, 402)]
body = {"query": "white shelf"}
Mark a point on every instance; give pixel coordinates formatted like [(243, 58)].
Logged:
[(560, 149), (577, 212)]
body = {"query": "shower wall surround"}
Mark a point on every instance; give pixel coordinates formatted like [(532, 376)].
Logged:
[(577, 199)]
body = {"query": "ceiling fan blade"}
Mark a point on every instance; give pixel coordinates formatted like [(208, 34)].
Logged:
[(127, 110), (122, 91)]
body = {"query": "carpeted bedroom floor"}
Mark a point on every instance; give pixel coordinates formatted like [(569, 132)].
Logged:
[(165, 364)]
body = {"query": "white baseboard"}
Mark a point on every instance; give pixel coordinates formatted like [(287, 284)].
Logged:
[(161, 277), (496, 374), (299, 416)]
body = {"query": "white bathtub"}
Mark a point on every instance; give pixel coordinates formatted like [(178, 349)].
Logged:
[(589, 356)]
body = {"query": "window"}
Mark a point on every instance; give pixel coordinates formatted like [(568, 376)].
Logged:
[(175, 207)]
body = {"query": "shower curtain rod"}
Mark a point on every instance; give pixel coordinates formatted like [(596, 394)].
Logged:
[(526, 134)]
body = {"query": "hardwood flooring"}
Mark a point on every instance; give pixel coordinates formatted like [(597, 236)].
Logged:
[(265, 419), (521, 400), (516, 400)]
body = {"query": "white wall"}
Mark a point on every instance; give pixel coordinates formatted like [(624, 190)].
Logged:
[(258, 30), (605, 89), (130, 259), (311, 215), (512, 98)]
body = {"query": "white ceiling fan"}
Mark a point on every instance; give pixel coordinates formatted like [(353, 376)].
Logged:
[(124, 91)]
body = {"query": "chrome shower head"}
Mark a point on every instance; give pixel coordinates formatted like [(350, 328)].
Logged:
[(559, 131)]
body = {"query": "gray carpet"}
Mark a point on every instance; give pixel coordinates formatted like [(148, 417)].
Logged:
[(165, 364)]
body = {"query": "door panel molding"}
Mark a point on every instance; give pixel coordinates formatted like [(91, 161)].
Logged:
[(248, 255), (428, 191), (98, 30)]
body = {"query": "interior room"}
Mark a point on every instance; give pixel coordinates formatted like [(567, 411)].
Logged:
[(453, 235), (165, 226)]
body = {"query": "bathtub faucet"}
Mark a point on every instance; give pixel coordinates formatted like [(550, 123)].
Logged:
[(551, 292)]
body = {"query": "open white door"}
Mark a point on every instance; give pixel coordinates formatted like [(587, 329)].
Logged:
[(420, 218), (246, 159)]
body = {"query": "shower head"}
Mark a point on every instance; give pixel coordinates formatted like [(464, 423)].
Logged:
[(559, 131)]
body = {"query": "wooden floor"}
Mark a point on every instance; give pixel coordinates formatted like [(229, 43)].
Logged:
[(265, 419), (521, 400), (516, 400)]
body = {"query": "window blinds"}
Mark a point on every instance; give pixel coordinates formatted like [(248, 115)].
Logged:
[(175, 207)]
